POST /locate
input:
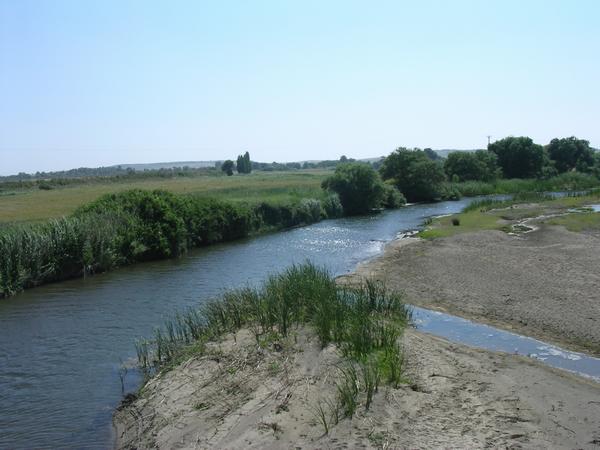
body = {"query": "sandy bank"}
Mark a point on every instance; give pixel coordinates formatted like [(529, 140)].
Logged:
[(545, 283), (243, 396)]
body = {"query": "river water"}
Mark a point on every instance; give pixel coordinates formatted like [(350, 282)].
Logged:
[(62, 345)]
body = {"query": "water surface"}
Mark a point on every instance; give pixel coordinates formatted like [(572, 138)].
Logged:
[(61, 345)]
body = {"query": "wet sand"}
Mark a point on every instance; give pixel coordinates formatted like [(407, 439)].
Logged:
[(544, 284)]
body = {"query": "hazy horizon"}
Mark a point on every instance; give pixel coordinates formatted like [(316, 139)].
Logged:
[(107, 83)]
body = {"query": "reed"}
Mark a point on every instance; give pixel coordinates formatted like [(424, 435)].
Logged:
[(131, 226)]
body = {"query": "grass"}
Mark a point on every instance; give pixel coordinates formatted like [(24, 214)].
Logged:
[(365, 323), (22, 205), (570, 181), (577, 222), (489, 214)]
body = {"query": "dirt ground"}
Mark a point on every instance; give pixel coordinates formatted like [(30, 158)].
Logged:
[(545, 283), (243, 396)]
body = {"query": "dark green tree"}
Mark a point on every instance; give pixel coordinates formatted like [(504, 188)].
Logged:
[(570, 153), (431, 154), (414, 174), (358, 186), (518, 157), (464, 166), (248, 163), (243, 163), (227, 167)]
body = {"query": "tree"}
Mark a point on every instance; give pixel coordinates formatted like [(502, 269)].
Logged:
[(518, 157), (243, 163), (358, 186), (431, 154), (227, 167), (414, 174), (570, 153), (464, 166)]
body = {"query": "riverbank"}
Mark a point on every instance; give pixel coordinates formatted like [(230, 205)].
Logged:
[(239, 395), (242, 395), (542, 283)]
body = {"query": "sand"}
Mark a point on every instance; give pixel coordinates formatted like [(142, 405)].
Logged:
[(243, 396), (544, 284)]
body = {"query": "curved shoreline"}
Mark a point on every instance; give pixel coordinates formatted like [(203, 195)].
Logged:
[(244, 396), (562, 295)]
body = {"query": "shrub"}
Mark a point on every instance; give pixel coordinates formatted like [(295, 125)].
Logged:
[(332, 206), (414, 174), (359, 187), (393, 198), (481, 165)]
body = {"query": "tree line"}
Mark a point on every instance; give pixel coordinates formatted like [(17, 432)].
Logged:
[(421, 175)]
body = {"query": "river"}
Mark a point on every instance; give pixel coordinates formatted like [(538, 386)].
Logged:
[(62, 345)]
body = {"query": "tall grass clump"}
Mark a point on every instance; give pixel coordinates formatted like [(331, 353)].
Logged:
[(365, 321)]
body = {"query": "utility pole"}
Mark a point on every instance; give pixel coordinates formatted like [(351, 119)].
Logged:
[(489, 137)]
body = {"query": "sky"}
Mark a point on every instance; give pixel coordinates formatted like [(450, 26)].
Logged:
[(93, 83)]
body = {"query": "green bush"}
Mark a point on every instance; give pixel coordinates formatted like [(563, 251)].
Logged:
[(137, 225), (393, 198), (414, 174), (359, 187), (481, 165)]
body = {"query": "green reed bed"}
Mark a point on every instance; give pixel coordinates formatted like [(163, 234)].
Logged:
[(137, 225), (570, 181)]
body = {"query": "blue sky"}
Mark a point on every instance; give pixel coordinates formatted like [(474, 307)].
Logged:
[(88, 83)]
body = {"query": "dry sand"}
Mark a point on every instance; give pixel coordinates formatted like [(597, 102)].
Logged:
[(243, 396), (545, 283)]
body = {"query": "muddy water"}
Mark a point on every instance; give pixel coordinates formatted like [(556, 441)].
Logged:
[(62, 345)]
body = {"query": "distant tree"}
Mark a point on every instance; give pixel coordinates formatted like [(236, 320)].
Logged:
[(519, 157), (414, 174), (570, 153), (464, 166), (228, 167), (431, 154), (247, 162), (343, 159), (358, 186), (240, 164), (243, 163)]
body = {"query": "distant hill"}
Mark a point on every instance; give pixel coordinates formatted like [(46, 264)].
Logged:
[(166, 165), (446, 151)]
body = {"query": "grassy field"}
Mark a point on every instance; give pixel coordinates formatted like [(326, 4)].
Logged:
[(490, 215), (35, 204)]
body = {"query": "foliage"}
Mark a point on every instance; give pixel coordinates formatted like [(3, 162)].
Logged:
[(359, 187), (227, 167), (393, 198), (416, 176), (136, 225), (518, 157), (481, 165), (431, 154), (570, 153), (565, 182), (243, 163), (364, 321)]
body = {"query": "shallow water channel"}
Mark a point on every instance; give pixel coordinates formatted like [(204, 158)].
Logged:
[(62, 345)]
